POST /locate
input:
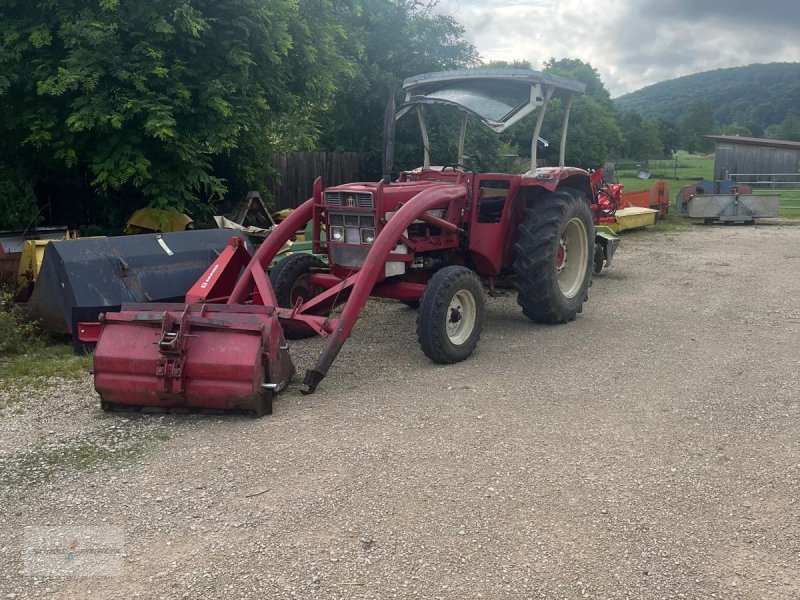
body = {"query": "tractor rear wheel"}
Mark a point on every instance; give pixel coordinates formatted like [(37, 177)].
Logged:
[(450, 315), (554, 257), (291, 281)]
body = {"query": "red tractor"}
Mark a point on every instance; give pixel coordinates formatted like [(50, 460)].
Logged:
[(433, 238)]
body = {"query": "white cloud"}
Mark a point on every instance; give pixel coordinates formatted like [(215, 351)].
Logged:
[(633, 44)]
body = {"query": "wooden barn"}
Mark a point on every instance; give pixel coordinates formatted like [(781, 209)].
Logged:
[(756, 160)]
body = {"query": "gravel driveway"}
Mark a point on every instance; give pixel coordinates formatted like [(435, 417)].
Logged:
[(650, 449)]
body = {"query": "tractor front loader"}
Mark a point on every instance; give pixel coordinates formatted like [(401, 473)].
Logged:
[(433, 239)]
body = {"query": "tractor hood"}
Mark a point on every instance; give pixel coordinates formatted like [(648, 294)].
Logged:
[(497, 97)]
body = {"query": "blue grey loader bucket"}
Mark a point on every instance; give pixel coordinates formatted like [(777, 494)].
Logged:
[(79, 279)]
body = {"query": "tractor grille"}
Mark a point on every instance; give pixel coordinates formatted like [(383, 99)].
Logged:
[(349, 256), (349, 199)]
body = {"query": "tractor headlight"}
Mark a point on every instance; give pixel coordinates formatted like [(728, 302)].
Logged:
[(367, 235), (337, 234)]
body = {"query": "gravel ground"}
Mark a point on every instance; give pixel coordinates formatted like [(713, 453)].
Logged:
[(647, 450)]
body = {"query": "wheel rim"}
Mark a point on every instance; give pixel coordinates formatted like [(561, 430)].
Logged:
[(460, 317), (301, 288), (572, 257)]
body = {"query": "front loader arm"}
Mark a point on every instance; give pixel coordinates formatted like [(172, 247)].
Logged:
[(374, 265), (255, 274)]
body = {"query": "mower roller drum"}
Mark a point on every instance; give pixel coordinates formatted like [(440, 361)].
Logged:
[(192, 356), (433, 238)]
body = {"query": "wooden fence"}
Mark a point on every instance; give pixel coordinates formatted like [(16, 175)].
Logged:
[(297, 171)]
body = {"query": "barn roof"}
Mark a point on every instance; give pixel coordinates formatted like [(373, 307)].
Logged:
[(754, 141)]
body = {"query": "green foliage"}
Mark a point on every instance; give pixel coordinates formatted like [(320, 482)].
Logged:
[(642, 137), (106, 106), (18, 200), (594, 135), (113, 105), (670, 137), (44, 360), (387, 42), (789, 129), (578, 70), (737, 129), (154, 100), (755, 96), (17, 335), (698, 122)]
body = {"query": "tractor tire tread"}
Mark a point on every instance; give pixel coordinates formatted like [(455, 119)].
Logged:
[(286, 272), (538, 292), (434, 303), (282, 278)]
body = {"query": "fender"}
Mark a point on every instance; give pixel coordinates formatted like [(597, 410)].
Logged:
[(551, 178)]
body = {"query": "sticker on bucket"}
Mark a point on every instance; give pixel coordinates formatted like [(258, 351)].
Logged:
[(163, 244)]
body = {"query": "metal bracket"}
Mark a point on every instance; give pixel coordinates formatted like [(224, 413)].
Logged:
[(172, 346)]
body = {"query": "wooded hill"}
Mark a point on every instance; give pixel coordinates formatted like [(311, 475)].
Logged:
[(756, 96)]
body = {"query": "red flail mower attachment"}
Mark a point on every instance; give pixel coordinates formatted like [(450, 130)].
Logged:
[(192, 356), (219, 351)]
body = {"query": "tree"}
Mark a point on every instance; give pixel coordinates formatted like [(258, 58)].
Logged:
[(641, 137), (18, 200), (670, 136), (754, 96), (698, 122), (737, 129), (507, 64), (388, 40), (789, 129), (578, 70), (142, 100), (594, 134)]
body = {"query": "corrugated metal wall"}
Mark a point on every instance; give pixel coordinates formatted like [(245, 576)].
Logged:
[(298, 170), (735, 158)]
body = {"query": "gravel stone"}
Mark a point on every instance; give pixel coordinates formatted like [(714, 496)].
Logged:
[(647, 450)]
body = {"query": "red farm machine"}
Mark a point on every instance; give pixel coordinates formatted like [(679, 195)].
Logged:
[(432, 238)]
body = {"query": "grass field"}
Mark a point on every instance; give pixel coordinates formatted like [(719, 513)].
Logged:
[(48, 360), (686, 168), (679, 172)]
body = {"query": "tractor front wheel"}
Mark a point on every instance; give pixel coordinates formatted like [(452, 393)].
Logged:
[(554, 257), (291, 281), (450, 315)]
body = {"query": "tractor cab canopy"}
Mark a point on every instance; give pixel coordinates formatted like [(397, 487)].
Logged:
[(497, 97)]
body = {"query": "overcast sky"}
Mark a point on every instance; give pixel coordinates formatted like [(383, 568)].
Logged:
[(633, 44)]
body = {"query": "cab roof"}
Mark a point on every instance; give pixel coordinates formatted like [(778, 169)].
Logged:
[(497, 97)]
